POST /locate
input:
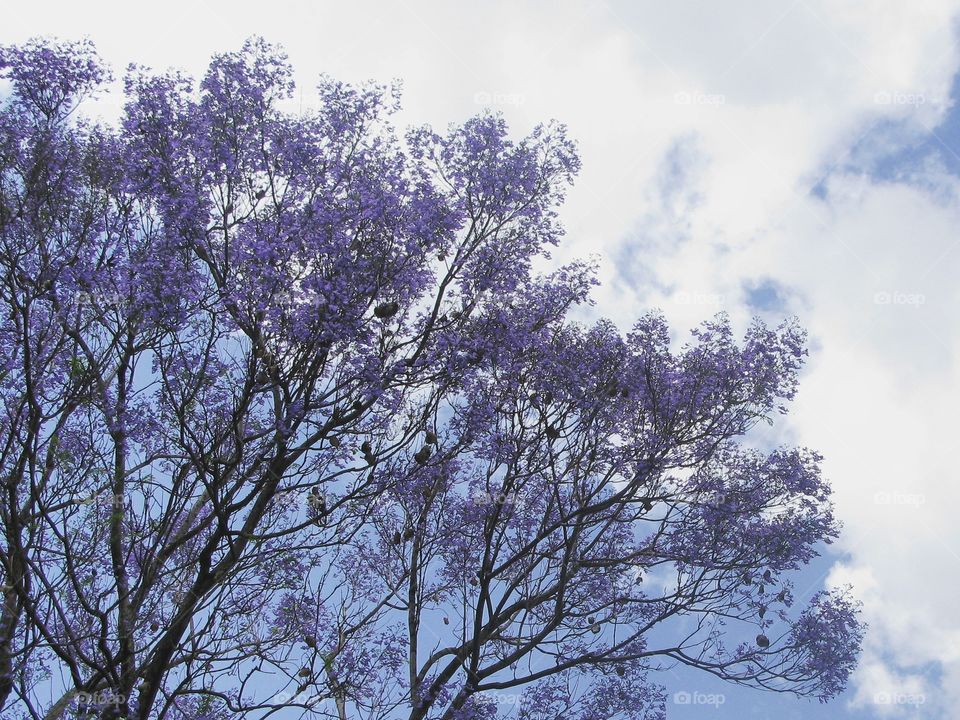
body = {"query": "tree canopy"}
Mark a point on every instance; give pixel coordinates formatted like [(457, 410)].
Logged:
[(293, 428)]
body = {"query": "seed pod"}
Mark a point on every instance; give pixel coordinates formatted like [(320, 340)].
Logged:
[(397, 538), (310, 640), (316, 500), (386, 310), (595, 628), (317, 503), (763, 641), (304, 672), (431, 437), (591, 619), (552, 432), (334, 441), (446, 620), (423, 454), (365, 447), (768, 576), (408, 534), (762, 612)]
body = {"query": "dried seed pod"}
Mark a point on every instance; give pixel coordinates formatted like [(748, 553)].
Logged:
[(304, 672), (763, 641), (595, 628), (431, 437), (552, 432), (317, 503), (423, 454), (386, 310), (310, 640), (316, 500)]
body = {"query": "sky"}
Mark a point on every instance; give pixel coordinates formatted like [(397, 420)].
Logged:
[(759, 157)]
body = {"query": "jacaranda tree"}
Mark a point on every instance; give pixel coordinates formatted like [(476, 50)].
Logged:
[(292, 427)]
